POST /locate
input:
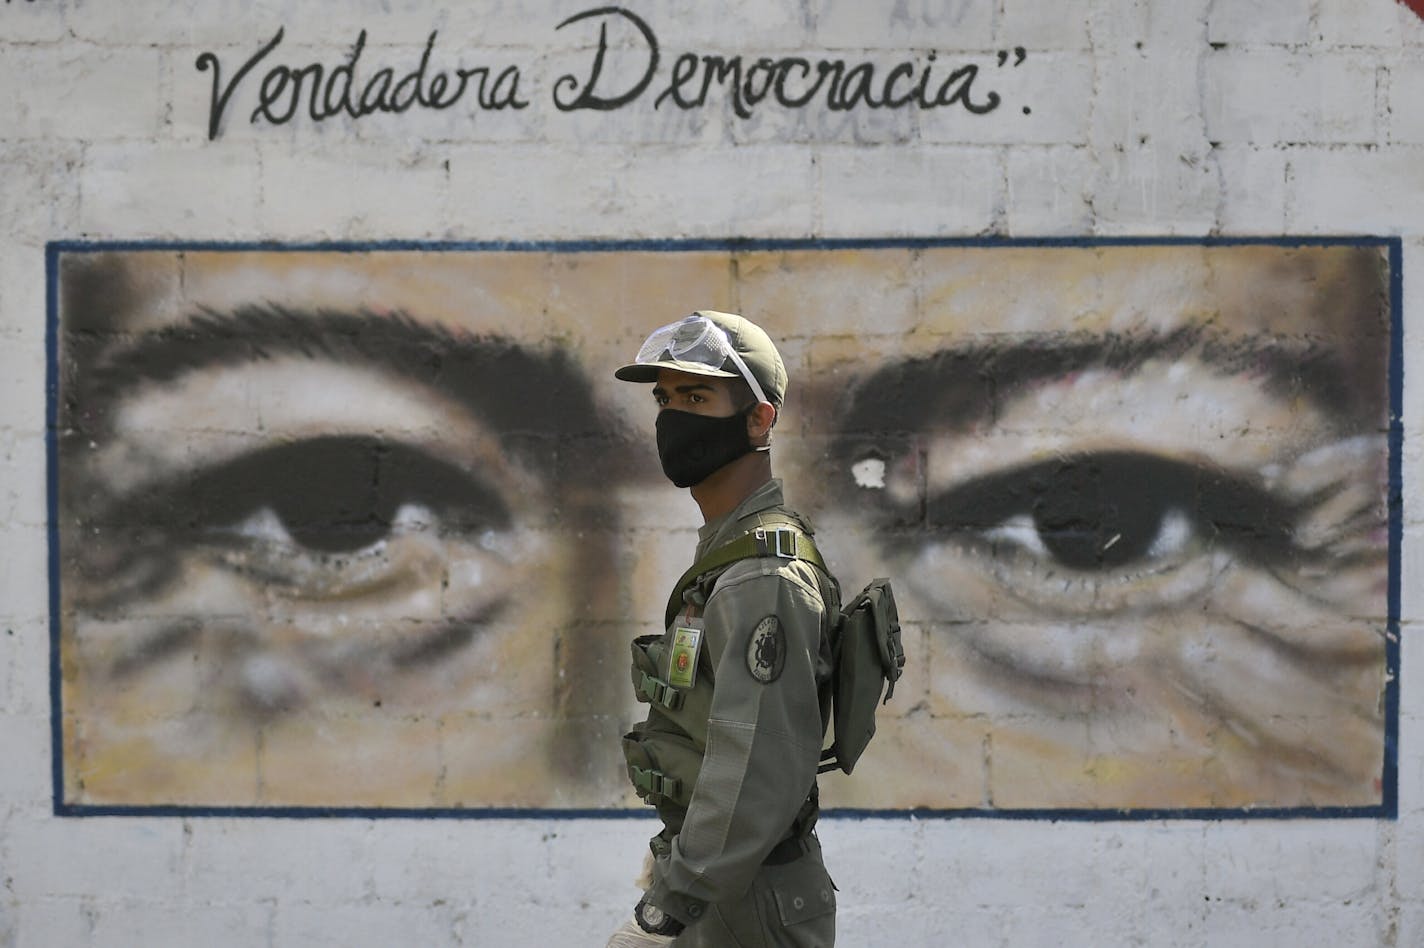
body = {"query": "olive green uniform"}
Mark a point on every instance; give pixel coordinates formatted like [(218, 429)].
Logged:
[(736, 860)]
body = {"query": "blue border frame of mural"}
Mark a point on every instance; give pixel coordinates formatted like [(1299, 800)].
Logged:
[(1388, 808)]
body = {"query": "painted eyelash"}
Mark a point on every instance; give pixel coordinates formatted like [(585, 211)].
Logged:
[(1101, 511), (333, 496)]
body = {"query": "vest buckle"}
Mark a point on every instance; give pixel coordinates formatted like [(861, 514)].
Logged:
[(660, 692), (779, 542), (655, 782)]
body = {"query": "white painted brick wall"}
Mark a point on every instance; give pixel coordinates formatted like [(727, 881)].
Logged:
[(1045, 26), (1317, 107), (644, 192), (1120, 26), (888, 191), (181, 191), (1349, 23), (32, 24), (1142, 189), (44, 922), (1266, 21), (1404, 117), (78, 91), (22, 485), (135, 923), (949, 25), (294, 182), (1253, 189), (1376, 191), (1049, 191), (26, 734), (26, 647), (1271, 97), (22, 578)]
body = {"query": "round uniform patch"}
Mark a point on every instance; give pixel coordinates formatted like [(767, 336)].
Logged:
[(766, 652)]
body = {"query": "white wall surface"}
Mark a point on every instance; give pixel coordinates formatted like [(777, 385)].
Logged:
[(1149, 117)]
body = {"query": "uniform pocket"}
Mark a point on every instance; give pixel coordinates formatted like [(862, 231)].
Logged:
[(802, 891)]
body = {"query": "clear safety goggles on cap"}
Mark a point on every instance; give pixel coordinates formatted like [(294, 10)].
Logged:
[(700, 341)]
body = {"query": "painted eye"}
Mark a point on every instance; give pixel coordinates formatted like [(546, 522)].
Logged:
[(312, 516), (1110, 512), (1084, 535), (340, 494)]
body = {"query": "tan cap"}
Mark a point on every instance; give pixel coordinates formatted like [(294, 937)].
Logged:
[(711, 343)]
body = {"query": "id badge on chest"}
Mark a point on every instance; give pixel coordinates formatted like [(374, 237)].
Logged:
[(682, 657)]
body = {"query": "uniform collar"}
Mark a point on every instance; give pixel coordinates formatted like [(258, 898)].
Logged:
[(723, 529)]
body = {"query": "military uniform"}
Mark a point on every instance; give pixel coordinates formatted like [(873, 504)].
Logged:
[(730, 761)]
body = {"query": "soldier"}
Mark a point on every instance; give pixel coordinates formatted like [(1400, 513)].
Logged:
[(738, 684)]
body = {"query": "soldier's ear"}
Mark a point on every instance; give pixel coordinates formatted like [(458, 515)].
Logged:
[(760, 420)]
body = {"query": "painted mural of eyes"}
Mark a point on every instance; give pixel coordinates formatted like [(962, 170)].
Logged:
[(1109, 511), (317, 517), (1068, 529)]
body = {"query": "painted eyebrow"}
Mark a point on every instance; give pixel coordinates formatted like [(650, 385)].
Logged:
[(961, 384), (528, 395)]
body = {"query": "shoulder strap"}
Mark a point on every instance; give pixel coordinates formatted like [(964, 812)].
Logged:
[(775, 535)]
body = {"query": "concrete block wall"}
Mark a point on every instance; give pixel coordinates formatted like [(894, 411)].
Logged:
[(1146, 118)]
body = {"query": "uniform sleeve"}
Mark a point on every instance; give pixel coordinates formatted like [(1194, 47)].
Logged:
[(763, 738)]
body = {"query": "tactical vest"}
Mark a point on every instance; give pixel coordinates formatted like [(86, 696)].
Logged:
[(664, 753)]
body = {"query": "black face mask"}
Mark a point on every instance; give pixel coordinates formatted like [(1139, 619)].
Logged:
[(693, 446)]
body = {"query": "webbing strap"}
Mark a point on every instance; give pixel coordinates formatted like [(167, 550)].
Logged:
[(655, 782), (660, 692), (784, 539)]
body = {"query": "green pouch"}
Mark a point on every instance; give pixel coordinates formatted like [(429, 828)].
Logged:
[(687, 709), (646, 649), (870, 659), (662, 766)]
